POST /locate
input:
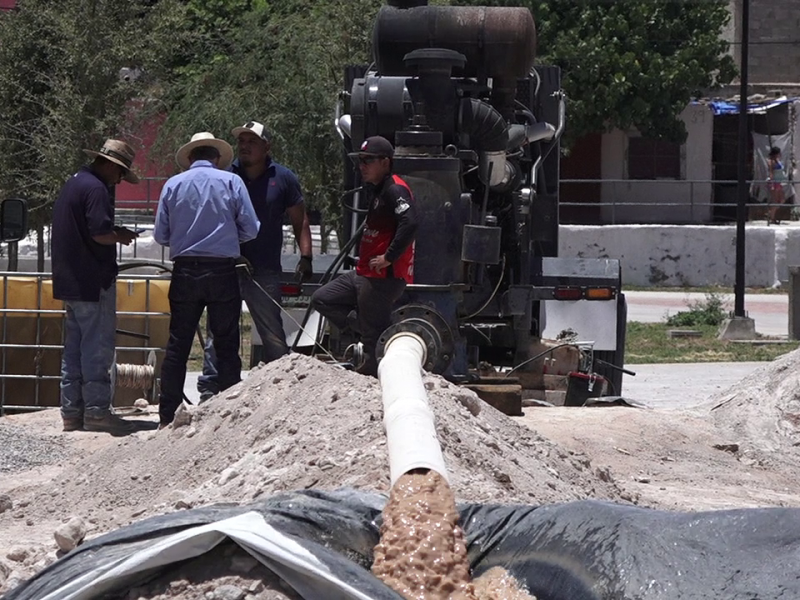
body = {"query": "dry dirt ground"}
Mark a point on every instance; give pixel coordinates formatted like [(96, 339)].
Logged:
[(297, 424)]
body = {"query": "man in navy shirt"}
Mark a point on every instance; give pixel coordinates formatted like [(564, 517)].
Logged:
[(203, 215), (275, 191), (84, 274)]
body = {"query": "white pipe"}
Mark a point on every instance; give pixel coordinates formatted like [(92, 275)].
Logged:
[(407, 417)]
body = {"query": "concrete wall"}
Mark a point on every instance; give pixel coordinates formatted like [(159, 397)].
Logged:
[(651, 255), (687, 255), (687, 201)]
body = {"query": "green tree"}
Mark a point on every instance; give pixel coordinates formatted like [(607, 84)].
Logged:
[(633, 63), (281, 64), (60, 90)]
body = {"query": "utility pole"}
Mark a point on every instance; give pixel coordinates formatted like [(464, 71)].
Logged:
[(742, 195), (740, 327)]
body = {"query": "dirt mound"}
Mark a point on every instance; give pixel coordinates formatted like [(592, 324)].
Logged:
[(296, 424), (761, 413)]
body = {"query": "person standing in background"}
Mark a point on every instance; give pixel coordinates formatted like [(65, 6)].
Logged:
[(275, 192), (776, 178), (84, 262)]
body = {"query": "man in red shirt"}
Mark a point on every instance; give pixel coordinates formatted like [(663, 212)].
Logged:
[(364, 298)]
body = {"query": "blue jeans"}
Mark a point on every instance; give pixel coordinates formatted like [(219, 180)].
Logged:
[(89, 340), (266, 315), (195, 286)]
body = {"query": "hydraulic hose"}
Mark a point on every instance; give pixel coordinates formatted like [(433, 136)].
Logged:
[(334, 267), (407, 417)]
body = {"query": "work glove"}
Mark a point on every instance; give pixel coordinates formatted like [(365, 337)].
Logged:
[(245, 265), (304, 271)]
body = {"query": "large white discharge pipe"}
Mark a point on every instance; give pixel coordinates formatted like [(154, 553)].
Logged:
[(407, 417)]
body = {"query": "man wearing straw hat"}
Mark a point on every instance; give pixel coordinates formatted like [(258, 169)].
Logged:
[(203, 215), (84, 273)]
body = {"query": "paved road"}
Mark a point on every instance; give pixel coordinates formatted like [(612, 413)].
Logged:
[(769, 311), (683, 385), (678, 386)]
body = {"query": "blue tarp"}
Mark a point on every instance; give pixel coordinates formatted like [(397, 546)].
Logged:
[(721, 107)]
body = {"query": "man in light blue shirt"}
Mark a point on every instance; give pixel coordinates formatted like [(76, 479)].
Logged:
[(203, 215)]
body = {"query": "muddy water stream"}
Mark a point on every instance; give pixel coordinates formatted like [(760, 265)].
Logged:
[(422, 553)]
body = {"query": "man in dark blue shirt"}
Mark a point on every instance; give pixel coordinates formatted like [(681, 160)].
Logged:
[(84, 274), (274, 191)]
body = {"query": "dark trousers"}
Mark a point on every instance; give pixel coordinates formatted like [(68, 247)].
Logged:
[(262, 294), (195, 286), (372, 298)]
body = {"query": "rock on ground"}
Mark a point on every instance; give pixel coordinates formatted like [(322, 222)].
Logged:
[(70, 534)]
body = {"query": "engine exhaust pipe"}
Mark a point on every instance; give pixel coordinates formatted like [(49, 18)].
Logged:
[(407, 417)]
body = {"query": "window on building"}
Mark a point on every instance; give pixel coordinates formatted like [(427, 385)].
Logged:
[(653, 159)]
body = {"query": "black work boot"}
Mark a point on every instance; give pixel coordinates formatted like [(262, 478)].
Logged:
[(108, 423), (72, 423), (368, 367), (352, 322)]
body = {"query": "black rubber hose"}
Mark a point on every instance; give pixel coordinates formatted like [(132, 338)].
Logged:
[(486, 127)]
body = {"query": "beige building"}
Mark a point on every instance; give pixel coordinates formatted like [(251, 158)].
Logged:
[(658, 182), (631, 179)]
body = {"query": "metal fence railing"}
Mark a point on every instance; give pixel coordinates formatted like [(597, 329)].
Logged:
[(147, 193), (32, 335), (667, 201), (582, 201), (618, 200)]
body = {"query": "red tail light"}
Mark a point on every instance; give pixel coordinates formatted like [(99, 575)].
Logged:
[(291, 289), (568, 293)]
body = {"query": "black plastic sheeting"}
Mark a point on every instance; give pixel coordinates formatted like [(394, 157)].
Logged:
[(586, 550)]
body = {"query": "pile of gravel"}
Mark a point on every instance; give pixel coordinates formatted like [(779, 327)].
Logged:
[(23, 450), (293, 424)]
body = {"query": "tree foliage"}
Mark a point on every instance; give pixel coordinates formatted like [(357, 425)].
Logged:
[(214, 64), (60, 89), (633, 63), (281, 64)]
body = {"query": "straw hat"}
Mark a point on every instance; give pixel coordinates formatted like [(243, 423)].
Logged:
[(119, 153), (204, 138)]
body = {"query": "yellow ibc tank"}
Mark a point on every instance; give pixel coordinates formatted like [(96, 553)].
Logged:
[(36, 328), (29, 293), (143, 295)]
